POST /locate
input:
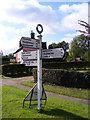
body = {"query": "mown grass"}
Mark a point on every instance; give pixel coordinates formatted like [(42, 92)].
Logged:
[(12, 99), (5, 77), (74, 92)]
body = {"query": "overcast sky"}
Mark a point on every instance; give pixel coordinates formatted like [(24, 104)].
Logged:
[(59, 20)]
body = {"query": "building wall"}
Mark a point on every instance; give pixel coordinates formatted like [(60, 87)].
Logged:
[(18, 56)]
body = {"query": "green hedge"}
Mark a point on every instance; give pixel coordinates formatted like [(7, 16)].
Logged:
[(64, 77), (66, 65), (5, 60), (14, 70)]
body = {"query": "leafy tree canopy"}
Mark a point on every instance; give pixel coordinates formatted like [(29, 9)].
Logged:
[(8, 56), (62, 44), (79, 47)]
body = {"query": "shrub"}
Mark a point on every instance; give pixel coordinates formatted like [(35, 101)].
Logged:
[(64, 77), (16, 70), (66, 65), (5, 60)]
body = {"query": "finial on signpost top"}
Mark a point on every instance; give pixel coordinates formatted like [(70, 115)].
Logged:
[(39, 28)]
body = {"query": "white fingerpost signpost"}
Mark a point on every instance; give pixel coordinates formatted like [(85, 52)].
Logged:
[(34, 58), (39, 66)]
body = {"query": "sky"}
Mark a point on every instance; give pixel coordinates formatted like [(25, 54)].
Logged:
[(59, 20)]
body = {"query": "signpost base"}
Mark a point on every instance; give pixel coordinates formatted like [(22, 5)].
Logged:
[(33, 96)]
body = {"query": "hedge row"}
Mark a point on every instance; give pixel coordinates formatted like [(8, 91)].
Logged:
[(64, 78), (5, 60), (16, 70), (66, 65)]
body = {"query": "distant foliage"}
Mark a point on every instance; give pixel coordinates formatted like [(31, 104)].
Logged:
[(53, 45), (8, 56), (79, 47), (67, 65), (63, 45), (5, 60), (15, 70), (64, 78)]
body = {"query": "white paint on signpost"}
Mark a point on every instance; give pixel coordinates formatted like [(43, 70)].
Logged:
[(30, 63), (52, 53), (39, 73), (29, 55), (29, 43)]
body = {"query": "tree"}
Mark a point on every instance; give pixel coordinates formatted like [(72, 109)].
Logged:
[(79, 47), (8, 56), (63, 45), (53, 45)]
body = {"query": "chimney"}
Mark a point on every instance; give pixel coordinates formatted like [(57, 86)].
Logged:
[(44, 46), (32, 35)]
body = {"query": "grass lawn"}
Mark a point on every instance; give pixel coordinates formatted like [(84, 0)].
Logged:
[(74, 92), (5, 77), (12, 99)]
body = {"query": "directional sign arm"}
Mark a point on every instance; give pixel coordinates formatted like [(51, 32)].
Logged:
[(29, 55), (52, 53), (29, 43)]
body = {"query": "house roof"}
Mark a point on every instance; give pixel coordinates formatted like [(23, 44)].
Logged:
[(25, 49), (25, 38), (18, 50), (21, 47)]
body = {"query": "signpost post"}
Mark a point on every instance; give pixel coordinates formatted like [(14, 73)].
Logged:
[(39, 67), (32, 55)]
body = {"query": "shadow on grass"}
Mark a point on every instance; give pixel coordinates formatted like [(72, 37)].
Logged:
[(54, 114), (59, 113)]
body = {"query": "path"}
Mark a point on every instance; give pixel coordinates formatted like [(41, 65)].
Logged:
[(16, 82)]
